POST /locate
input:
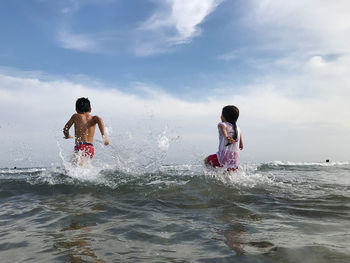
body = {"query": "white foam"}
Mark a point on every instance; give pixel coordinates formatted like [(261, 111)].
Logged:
[(246, 176), (21, 170), (287, 163)]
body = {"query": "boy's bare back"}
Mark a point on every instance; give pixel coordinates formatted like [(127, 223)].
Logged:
[(84, 126)]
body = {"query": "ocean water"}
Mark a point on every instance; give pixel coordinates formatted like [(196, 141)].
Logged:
[(268, 212)]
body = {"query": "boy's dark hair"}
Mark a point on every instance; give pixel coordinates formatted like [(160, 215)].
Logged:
[(231, 114), (82, 105)]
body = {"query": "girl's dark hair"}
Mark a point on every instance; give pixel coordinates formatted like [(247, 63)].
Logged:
[(231, 114), (82, 105)]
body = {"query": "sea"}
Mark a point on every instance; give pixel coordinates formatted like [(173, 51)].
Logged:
[(119, 212)]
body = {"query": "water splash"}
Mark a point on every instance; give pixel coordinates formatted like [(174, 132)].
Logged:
[(247, 176), (140, 154), (126, 154)]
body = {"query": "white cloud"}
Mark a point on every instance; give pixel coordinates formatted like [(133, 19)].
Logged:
[(311, 26), (80, 42), (229, 56), (286, 34), (275, 124), (175, 22), (181, 15), (71, 6)]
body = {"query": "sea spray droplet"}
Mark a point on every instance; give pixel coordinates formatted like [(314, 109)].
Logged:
[(163, 142), (109, 130)]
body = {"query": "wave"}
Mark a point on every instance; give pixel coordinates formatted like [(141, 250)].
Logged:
[(193, 183), (112, 177), (21, 170), (151, 175), (279, 165)]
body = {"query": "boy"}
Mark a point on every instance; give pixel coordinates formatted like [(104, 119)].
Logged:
[(84, 127)]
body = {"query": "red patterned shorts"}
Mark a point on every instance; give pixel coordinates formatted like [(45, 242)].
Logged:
[(85, 148)]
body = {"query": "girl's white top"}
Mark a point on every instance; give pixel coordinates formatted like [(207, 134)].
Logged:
[(228, 155)]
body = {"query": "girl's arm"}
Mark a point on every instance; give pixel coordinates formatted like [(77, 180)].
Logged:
[(224, 132), (240, 142)]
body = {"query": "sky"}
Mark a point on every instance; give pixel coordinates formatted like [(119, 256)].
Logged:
[(167, 67)]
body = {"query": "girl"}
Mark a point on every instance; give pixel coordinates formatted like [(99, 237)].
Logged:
[(230, 140)]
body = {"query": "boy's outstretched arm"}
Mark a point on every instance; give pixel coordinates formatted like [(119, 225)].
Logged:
[(101, 127), (67, 127)]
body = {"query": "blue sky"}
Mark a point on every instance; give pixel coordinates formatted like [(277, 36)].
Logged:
[(110, 41), (173, 64)]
